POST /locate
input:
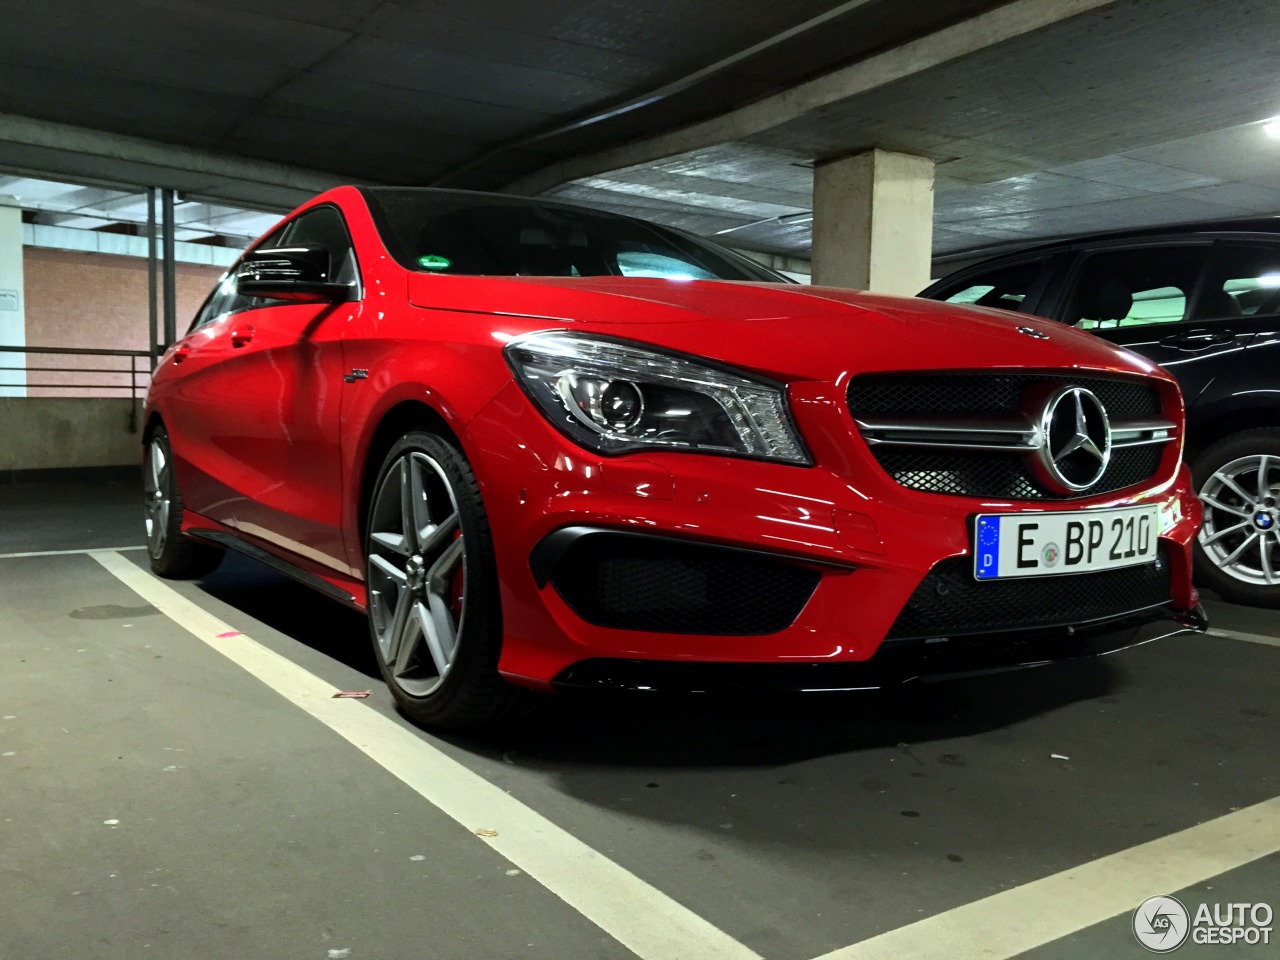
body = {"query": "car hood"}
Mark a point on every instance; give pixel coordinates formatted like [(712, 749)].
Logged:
[(783, 330)]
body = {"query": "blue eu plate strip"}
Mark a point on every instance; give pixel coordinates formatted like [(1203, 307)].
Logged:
[(987, 549)]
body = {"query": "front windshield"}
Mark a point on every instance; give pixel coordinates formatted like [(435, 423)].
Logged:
[(457, 233)]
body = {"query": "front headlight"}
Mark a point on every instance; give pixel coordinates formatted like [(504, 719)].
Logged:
[(613, 397)]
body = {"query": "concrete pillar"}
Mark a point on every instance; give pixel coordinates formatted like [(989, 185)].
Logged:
[(13, 322), (873, 222)]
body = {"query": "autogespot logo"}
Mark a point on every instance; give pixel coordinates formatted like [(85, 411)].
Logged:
[(1161, 924)]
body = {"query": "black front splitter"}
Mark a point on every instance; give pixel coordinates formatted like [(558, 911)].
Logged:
[(895, 663)]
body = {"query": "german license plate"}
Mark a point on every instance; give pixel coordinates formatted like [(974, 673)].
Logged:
[(1045, 544)]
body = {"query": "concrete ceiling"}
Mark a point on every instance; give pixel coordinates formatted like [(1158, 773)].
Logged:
[(1045, 116)]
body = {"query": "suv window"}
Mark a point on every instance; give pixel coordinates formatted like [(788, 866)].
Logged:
[(1243, 281), (641, 263), (1006, 288), (1135, 287)]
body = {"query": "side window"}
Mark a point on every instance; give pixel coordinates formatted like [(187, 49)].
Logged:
[(1006, 288), (224, 299), (1243, 281), (1136, 287), (218, 303), (324, 227)]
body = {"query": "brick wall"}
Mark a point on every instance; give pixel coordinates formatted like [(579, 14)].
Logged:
[(95, 300)]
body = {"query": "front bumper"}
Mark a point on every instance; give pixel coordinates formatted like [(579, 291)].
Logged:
[(860, 546), (894, 664)]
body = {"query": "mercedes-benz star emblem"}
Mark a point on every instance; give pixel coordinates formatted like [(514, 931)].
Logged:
[(1033, 332), (1075, 445)]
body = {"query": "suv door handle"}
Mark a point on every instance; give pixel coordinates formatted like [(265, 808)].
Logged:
[(181, 354), (241, 336), (1199, 339)]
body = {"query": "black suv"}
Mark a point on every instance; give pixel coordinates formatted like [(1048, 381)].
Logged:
[(1204, 303)]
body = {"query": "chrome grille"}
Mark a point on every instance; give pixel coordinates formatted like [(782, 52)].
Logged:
[(970, 435)]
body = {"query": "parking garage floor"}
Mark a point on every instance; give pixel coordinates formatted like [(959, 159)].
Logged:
[(177, 780)]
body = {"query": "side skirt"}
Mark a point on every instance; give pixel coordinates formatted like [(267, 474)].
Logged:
[(305, 577)]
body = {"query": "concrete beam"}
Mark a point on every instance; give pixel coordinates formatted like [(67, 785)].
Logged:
[(988, 29), (183, 161)]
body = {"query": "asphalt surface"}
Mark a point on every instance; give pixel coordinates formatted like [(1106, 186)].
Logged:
[(159, 801)]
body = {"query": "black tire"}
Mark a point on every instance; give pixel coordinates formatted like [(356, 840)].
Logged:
[(1242, 515), (173, 554), (444, 574)]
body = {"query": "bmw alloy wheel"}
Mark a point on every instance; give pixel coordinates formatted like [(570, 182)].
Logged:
[(1241, 531)]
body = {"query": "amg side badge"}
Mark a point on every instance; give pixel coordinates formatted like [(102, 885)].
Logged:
[(357, 374)]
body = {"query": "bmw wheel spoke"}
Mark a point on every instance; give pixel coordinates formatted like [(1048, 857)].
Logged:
[(1229, 482), (1226, 531), (1235, 554), (1226, 508)]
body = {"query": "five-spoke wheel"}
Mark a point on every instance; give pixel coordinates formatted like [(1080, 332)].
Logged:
[(432, 587), (417, 573), (172, 554)]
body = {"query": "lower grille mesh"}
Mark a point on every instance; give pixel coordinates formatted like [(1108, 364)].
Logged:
[(634, 583), (950, 602), (983, 474)]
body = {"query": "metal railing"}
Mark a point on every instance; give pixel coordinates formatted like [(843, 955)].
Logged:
[(105, 378)]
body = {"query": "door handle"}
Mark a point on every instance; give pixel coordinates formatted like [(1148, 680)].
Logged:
[(181, 354), (241, 336), (1199, 339)]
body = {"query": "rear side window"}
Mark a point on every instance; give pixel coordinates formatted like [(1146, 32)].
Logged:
[(1243, 281), (1136, 287), (1006, 288)]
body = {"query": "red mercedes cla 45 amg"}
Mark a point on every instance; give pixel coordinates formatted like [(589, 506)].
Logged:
[(545, 447)]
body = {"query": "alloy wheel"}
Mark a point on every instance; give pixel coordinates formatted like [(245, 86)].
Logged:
[(416, 573), (156, 498), (1241, 530)]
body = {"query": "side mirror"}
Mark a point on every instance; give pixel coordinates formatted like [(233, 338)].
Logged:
[(302, 274)]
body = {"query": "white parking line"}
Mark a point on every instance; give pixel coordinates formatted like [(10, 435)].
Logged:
[(654, 926), (636, 914), (1250, 637), (68, 553), (1015, 921)]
